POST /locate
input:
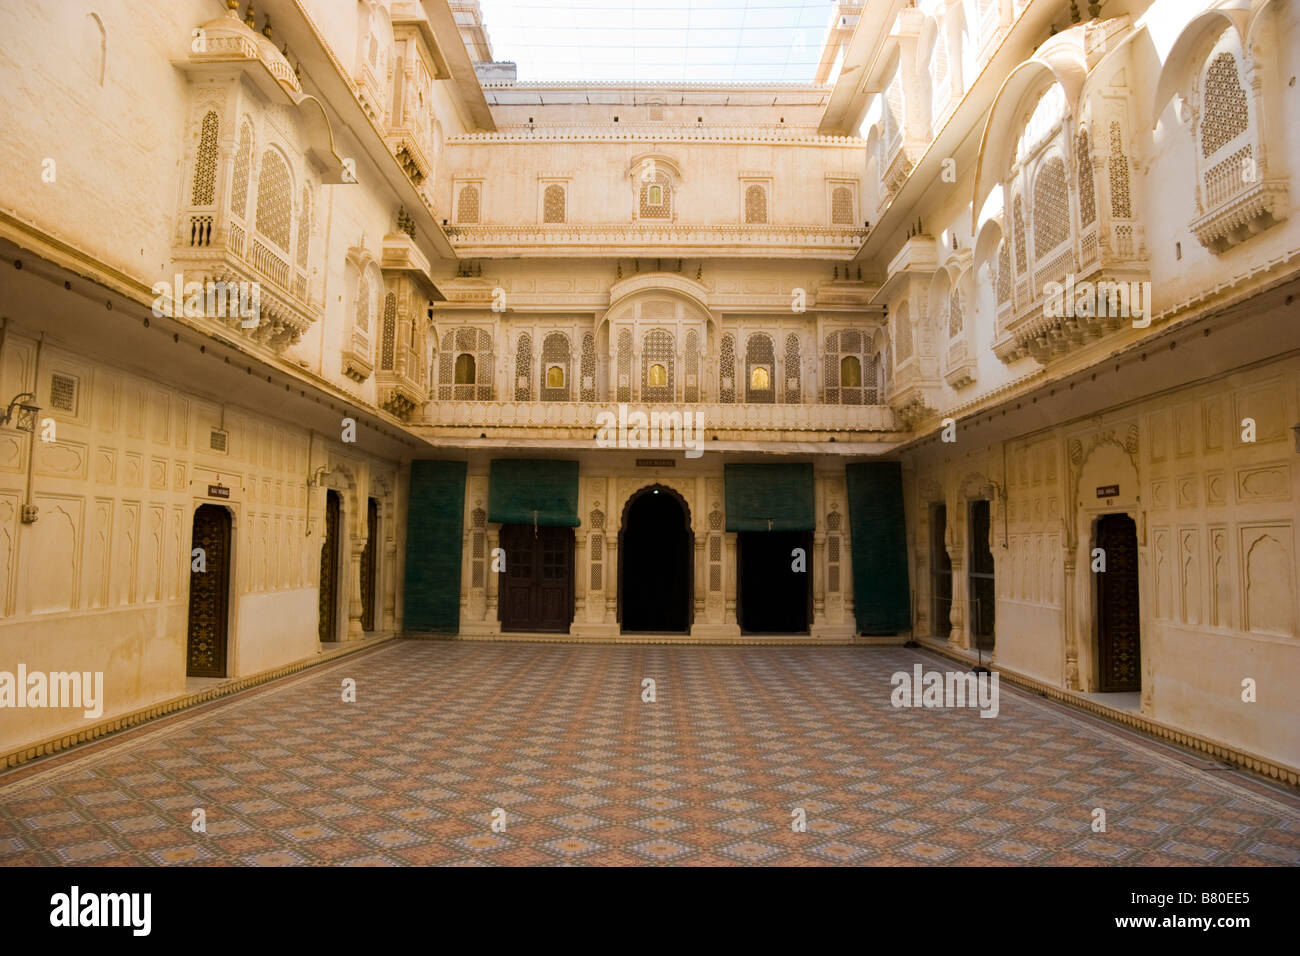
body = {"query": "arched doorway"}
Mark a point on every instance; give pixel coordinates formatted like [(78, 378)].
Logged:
[(655, 562), (209, 614), (1119, 625), (369, 568), (329, 569)]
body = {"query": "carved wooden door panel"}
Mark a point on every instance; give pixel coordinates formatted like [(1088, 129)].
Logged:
[(1118, 618), (368, 567), (209, 594), (329, 570), (537, 587)]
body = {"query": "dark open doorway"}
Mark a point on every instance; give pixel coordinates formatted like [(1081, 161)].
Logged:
[(1119, 630), (775, 595), (537, 586), (205, 650), (656, 554), (368, 566)]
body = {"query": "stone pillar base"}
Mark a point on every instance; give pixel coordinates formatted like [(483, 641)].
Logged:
[(833, 632), (713, 632), (480, 628), (604, 631)]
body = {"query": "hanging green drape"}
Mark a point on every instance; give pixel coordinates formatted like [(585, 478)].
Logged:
[(769, 497), (434, 531), (538, 491), (881, 600)]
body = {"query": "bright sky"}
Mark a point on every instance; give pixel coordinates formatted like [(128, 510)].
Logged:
[(729, 41)]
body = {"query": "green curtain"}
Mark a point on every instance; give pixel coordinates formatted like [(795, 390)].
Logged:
[(769, 497), (538, 491), (435, 523), (881, 599)]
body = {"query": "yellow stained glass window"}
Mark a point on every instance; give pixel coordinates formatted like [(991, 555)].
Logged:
[(759, 379), (850, 372), (658, 375), (555, 377)]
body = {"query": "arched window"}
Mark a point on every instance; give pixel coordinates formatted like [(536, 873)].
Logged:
[(1051, 208), (656, 196), (850, 372), (553, 203), (692, 366), (755, 204), (1121, 206), (955, 317), (657, 360), (903, 332), (555, 362), (464, 369), (205, 163), (842, 206), (587, 387), (274, 199), (760, 364), (467, 204), (1004, 279), (1227, 114), (361, 315)]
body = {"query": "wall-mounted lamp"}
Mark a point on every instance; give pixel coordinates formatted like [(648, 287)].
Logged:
[(25, 405)]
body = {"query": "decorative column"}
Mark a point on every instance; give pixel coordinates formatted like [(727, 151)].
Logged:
[(355, 632)]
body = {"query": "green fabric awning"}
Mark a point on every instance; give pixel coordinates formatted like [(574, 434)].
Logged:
[(881, 600), (533, 491), (434, 531), (769, 497)]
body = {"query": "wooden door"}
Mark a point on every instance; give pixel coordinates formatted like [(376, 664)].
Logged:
[(537, 587), (329, 570), (209, 594), (368, 566), (1118, 615)]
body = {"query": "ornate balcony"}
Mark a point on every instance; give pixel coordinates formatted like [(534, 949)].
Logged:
[(648, 239), (577, 421)]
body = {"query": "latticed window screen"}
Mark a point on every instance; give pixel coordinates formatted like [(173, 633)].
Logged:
[(304, 228), (555, 353), (656, 197), (361, 318), (205, 163), (848, 369), (467, 205), (478, 547), (657, 353), (954, 313), (587, 387), (274, 199), (1121, 207), (596, 546), (939, 72), (727, 369), (1004, 279), (1226, 115), (760, 369), (833, 523), (1051, 207), (553, 203), (692, 386), (524, 368), (63, 392), (880, 349), (791, 378), (389, 335), (243, 164), (1087, 193), (623, 386), (459, 345), (893, 118), (903, 332), (756, 204), (842, 206), (1018, 234)]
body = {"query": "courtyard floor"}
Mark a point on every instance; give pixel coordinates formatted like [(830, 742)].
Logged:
[(712, 771)]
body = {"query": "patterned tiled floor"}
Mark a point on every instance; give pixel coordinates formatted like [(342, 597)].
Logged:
[(558, 737)]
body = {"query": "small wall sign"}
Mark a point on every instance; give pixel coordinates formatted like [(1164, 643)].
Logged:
[(1108, 491), (218, 491), (656, 463)]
